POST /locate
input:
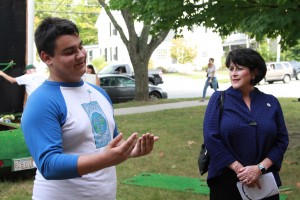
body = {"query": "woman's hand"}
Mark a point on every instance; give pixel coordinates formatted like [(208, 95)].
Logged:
[(249, 175), (254, 183), (236, 166)]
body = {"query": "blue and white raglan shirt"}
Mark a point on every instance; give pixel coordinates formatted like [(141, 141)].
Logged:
[(60, 122)]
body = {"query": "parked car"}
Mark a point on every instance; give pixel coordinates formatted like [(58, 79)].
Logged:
[(14, 155), (121, 88), (154, 76), (296, 69), (278, 71)]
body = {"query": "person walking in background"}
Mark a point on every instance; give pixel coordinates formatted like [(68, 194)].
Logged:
[(211, 78), (69, 126), (92, 75), (250, 138)]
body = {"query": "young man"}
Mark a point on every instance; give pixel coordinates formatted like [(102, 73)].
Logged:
[(31, 79), (69, 125)]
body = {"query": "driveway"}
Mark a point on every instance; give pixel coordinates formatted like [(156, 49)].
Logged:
[(182, 87)]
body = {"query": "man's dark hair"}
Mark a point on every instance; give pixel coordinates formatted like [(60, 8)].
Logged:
[(49, 30), (248, 58)]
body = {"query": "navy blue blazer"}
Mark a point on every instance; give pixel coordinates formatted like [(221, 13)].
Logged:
[(244, 135)]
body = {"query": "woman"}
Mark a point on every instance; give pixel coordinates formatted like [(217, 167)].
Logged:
[(90, 70), (250, 138), (211, 78)]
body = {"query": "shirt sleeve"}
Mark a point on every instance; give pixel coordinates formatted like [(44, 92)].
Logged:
[(41, 124), (281, 141), (22, 80), (213, 69)]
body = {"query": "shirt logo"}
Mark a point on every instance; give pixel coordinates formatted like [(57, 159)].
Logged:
[(99, 123)]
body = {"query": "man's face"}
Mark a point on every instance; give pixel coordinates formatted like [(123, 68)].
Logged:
[(69, 61)]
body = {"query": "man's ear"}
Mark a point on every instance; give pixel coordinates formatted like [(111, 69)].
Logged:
[(46, 58)]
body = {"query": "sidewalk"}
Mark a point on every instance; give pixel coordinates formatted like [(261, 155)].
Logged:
[(153, 108)]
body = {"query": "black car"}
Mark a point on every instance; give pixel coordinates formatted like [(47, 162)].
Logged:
[(121, 88)]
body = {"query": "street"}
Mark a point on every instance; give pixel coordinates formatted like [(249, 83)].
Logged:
[(182, 87)]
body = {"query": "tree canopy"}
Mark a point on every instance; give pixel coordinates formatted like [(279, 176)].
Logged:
[(83, 13), (182, 51), (140, 44), (258, 18)]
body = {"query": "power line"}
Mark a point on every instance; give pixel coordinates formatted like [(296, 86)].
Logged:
[(67, 5), (70, 12)]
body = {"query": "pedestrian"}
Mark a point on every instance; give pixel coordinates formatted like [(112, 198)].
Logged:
[(31, 79), (211, 79), (250, 138), (91, 75), (69, 126)]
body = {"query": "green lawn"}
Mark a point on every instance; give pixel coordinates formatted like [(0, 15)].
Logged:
[(176, 152)]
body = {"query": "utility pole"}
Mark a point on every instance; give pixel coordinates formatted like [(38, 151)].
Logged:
[(278, 48), (30, 31)]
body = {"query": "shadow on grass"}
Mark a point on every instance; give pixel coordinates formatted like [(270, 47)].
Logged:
[(7, 175)]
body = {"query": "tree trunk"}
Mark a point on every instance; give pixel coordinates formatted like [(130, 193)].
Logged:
[(140, 48), (140, 67)]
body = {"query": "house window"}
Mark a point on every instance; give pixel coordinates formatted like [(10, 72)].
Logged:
[(116, 54), (90, 53), (105, 54), (112, 30), (115, 32), (109, 29), (162, 54), (110, 53)]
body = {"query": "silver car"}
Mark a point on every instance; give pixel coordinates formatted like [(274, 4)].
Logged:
[(278, 71)]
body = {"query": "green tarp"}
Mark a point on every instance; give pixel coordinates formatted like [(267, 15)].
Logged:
[(178, 183)]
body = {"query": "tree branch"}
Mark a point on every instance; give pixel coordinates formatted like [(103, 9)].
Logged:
[(143, 39), (157, 40), (114, 22), (129, 21)]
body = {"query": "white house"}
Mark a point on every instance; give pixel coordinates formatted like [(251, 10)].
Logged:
[(93, 52), (208, 43), (111, 46)]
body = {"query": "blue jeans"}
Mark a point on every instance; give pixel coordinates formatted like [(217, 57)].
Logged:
[(214, 84)]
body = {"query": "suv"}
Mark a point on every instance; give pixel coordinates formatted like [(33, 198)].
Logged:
[(296, 69), (278, 71)]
